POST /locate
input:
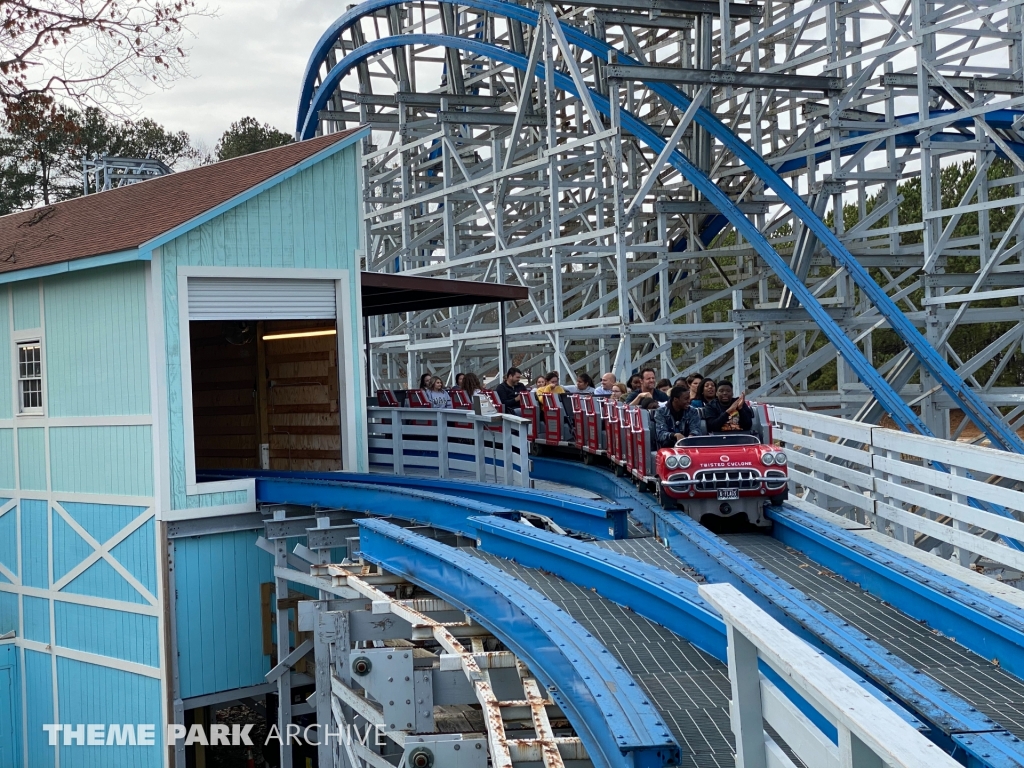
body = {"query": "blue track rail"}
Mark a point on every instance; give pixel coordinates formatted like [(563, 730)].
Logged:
[(594, 517), (992, 628), (313, 98), (447, 513), (617, 724), (651, 592), (665, 598), (954, 724)]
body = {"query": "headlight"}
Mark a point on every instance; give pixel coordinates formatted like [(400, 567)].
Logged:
[(767, 459), (672, 462), (684, 461), (780, 458)]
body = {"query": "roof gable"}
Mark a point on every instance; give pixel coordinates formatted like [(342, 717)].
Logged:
[(150, 212)]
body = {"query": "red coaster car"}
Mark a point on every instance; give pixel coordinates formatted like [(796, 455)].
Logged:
[(723, 476)]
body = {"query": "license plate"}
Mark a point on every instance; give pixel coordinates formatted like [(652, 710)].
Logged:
[(728, 495)]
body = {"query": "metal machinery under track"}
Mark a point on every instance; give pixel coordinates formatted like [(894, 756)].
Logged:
[(480, 167)]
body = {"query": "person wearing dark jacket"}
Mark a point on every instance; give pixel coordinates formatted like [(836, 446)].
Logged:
[(677, 419), (728, 414), (647, 390), (508, 391)]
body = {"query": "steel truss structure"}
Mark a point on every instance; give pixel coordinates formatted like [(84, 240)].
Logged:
[(664, 192)]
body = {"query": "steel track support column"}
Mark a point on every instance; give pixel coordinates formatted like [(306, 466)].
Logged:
[(554, 254), (284, 682), (623, 355), (739, 354)]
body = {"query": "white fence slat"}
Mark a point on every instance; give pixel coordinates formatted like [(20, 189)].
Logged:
[(774, 755), (846, 474), (802, 736), (820, 682), (954, 483), (976, 544), (979, 517), (974, 457), (831, 490), (792, 440), (841, 428)]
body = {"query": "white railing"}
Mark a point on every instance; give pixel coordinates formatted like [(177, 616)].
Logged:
[(897, 483), (449, 444), (864, 731)]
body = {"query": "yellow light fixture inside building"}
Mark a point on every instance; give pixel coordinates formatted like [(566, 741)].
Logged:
[(300, 334)]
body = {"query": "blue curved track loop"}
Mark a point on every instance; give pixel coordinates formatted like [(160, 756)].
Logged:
[(387, 495), (616, 722), (988, 421)]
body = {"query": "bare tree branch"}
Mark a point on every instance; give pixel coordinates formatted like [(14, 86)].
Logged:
[(90, 51)]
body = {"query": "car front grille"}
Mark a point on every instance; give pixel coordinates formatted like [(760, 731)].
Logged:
[(776, 478), (722, 479)]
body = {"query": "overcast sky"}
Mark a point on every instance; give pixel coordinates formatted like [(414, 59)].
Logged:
[(248, 60)]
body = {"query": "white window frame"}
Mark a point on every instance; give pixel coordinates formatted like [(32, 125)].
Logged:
[(20, 380)]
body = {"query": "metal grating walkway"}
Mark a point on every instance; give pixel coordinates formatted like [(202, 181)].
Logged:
[(648, 550), (689, 688), (992, 691)]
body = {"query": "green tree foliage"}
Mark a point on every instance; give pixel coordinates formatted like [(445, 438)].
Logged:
[(42, 148), (966, 340), (246, 136)]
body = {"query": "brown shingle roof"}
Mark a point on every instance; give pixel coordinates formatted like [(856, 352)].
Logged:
[(125, 218)]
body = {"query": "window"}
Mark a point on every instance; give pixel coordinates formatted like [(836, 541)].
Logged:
[(30, 377)]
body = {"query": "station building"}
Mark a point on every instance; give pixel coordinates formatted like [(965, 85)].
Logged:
[(204, 320)]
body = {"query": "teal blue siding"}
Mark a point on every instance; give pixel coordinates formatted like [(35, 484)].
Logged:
[(6, 374), (97, 358), (101, 580), (26, 305), (34, 544), (7, 479), (32, 458), (39, 708), (8, 612), (93, 694), (101, 521), (217, 580), (309, 221), (203, 500), (37, 619), (137, 554), (69, 549), (82, 458), (10, 707), (9, 542), (119, 634)]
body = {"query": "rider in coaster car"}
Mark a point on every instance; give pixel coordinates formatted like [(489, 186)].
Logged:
[(728, 414), (677, 419)]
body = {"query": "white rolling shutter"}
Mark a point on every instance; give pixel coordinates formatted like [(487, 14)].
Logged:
[(243, 298)]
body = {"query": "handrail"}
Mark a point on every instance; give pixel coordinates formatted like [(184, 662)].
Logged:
[(869, 732), (446, 442), (888, 481), (618, 725)]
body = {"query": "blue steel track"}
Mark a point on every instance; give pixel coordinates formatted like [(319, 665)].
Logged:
[(314, 98), (673, 602)]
